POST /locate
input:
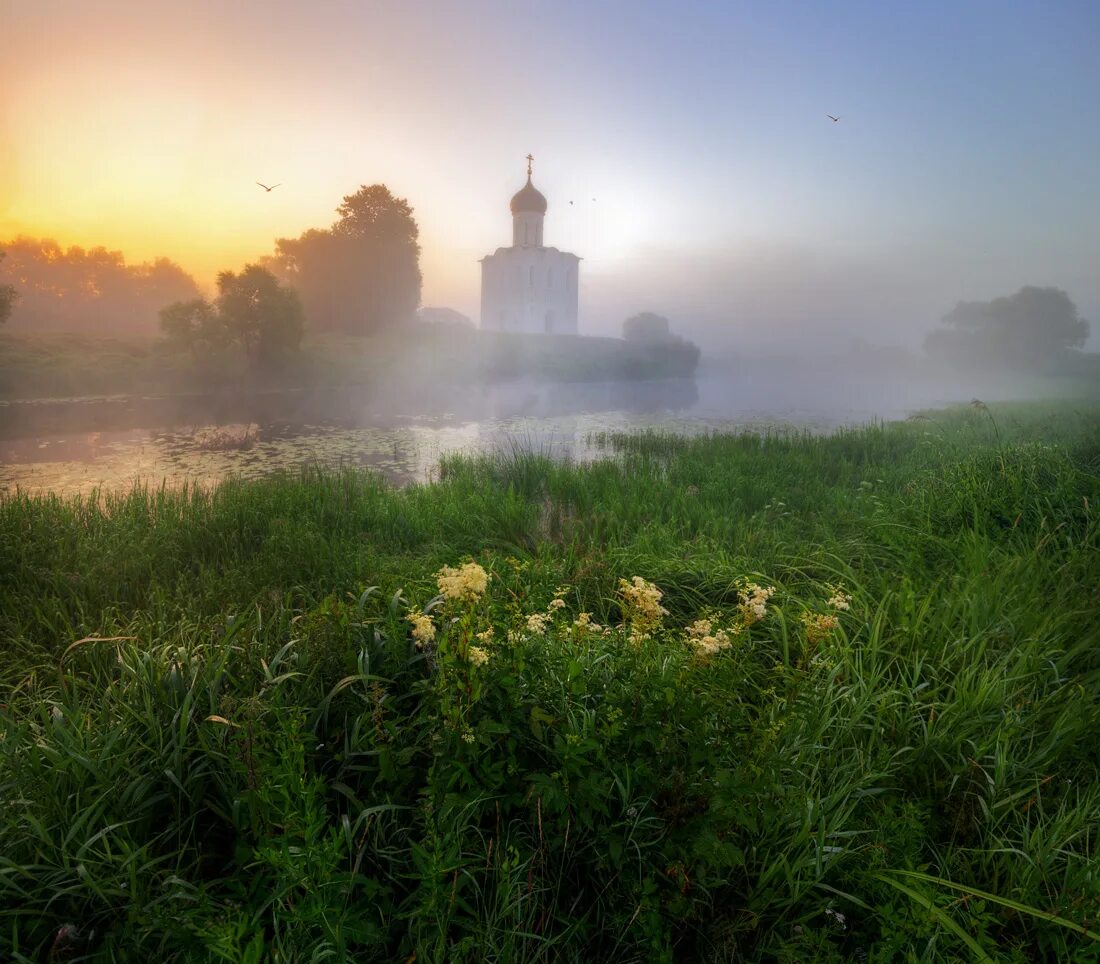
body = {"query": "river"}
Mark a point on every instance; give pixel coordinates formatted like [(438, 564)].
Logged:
[(75, 446)]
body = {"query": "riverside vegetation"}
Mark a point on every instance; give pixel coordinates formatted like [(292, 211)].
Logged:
[(714, 699), (55, 365)]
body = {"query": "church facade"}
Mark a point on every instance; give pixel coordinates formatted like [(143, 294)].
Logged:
[(528, 287)]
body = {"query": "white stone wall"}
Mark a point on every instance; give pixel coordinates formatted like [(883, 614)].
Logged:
[(530, 289), (527, 229)]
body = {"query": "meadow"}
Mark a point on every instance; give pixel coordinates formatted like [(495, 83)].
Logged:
[(65, 365), (774, 697)]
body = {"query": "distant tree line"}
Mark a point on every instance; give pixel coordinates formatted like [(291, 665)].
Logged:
[(45, 287), (358, 276), (1036, 328)]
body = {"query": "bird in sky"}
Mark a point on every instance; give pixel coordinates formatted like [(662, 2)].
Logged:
[(833, 119), (269, 189)]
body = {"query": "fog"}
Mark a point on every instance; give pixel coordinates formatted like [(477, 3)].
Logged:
[(766, 298)]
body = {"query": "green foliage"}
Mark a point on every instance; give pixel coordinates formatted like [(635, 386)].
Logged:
[(253, 313), (219, 739), (259, 314)]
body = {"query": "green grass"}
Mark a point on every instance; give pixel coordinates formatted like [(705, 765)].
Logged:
[(219, 743)]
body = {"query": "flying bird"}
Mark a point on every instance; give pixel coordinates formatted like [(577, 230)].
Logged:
[(833, 119), (269, 189)]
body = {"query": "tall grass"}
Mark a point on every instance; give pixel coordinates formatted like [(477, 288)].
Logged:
[(219, 742)]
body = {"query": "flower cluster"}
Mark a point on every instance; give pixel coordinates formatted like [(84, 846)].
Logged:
[(706, 640), (754, 606), (839, 600), (537, 623), (583, 627), (423, 629), (641, 602), (819, 626), (466, 583), (477, 655)]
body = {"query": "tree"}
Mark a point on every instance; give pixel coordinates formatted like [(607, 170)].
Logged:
[(363, 273), (1026, 330), (259, 314), (646, 326), (193, 326), (7, 298), (373, 213), (253, 313)]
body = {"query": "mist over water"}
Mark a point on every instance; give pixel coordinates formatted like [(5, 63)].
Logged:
[(109, 443)]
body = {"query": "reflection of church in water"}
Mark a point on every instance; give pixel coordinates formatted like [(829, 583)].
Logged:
[(528, 287)]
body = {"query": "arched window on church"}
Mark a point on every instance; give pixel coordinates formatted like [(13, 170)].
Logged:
[(549, 277), (526, 228), (531, 279), (549, 322)]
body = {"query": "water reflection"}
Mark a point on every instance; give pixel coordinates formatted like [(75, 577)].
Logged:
[(76, 446)]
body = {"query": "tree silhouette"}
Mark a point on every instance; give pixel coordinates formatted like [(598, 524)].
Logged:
[(195, 326), (646, 326), (1029, 329), (261, 315), (253, 312), (363, 273)]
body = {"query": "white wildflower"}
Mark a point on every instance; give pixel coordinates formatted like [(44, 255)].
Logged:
[(423, 629), (466, 583)]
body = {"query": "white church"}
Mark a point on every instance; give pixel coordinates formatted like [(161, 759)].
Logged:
[(528, 287)]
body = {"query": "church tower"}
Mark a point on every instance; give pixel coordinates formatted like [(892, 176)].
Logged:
[(528, 287), (528, 210)]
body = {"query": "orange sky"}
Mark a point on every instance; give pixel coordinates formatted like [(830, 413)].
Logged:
[(146, 133)]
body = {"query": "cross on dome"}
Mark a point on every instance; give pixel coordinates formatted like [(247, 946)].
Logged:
[(528, 199)]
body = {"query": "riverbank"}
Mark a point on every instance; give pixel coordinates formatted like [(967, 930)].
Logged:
[(411, 362), (220, 738)]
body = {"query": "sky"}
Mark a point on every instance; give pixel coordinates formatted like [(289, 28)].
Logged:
[(708, 183)]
